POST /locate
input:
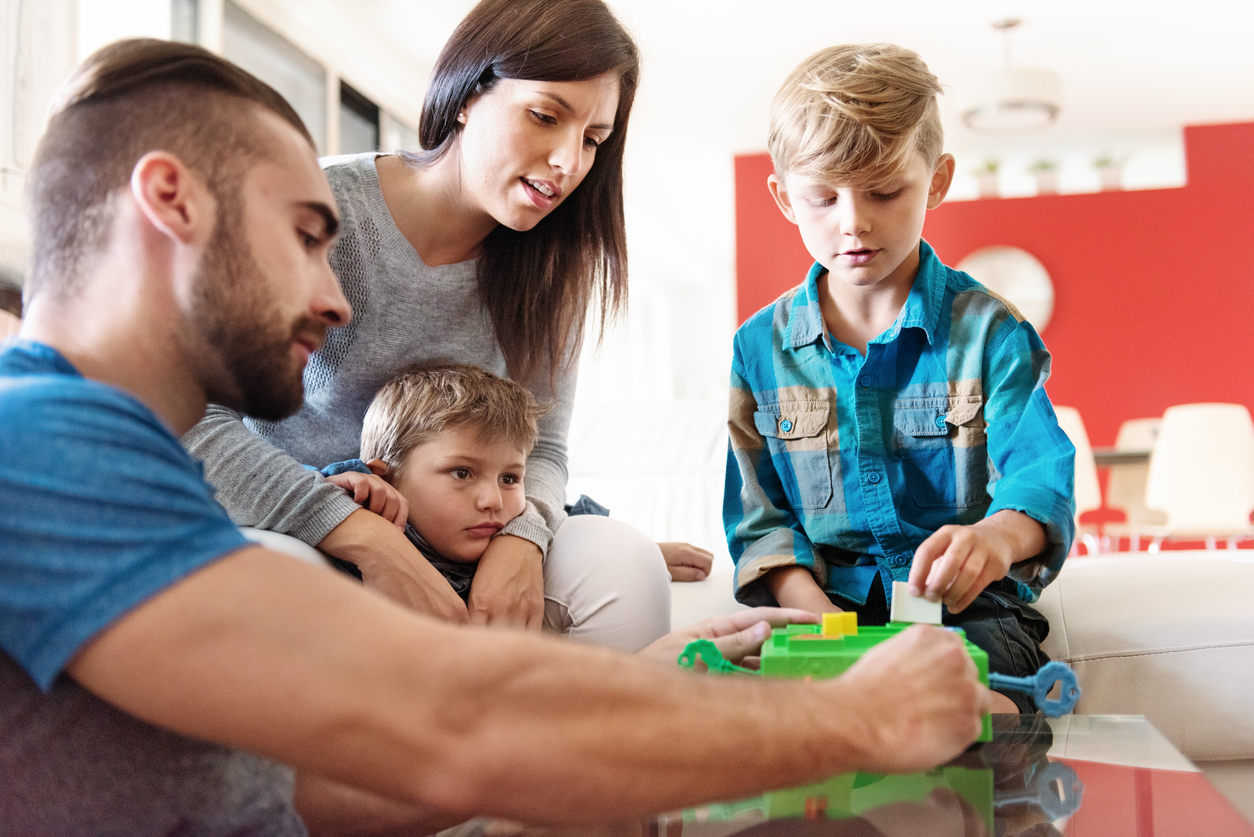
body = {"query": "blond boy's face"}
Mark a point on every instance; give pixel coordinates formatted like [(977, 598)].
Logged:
[(462, 489), (866, 237)]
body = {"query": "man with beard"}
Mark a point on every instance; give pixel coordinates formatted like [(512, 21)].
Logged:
[(157, 669)]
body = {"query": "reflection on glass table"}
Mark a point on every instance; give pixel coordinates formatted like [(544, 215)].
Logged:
[(1079, 776)]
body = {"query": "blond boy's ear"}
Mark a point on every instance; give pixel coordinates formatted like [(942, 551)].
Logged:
[(780, 193), (942, 179), (379, 468)]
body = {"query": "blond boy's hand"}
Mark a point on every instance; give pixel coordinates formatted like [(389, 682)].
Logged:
[(956, 563), (372, 492)]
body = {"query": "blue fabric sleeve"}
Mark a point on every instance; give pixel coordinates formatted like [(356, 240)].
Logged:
[(763, 532), (100, 509), (1032, 459)]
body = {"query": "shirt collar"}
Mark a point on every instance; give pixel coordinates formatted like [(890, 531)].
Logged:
[(922, 308)]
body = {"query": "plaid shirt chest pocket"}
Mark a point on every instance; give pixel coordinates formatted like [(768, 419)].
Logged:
[(796, 434), (943, 449)]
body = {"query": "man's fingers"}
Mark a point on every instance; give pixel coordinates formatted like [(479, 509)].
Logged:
[(736, 646)]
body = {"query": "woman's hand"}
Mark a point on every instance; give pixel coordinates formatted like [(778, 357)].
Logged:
[(508, 588), (686, 562), (393, 566)]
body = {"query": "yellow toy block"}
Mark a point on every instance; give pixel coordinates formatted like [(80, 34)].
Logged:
[(840, 624)]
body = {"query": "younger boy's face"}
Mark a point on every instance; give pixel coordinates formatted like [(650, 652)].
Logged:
[(868, 237), (462, 489)]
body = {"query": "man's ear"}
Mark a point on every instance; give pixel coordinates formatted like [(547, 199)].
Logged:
[(779, 192), (379, 468), (172, 198), (942, 179)]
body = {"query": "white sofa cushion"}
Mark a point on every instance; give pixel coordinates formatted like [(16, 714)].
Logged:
[(1168, 636)]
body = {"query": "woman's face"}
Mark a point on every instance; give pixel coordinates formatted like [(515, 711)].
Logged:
[(526, 145)]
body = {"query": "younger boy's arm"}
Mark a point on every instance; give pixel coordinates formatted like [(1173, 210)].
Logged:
[(372, 492)]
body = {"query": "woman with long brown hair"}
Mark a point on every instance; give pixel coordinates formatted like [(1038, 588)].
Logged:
[(488, 247)]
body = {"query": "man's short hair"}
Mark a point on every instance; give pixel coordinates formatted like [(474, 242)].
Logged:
[(417, 405), (125, 100), (856, 113)]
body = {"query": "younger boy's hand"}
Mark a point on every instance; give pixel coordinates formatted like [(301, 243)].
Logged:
[(372, 492), (956, 563)]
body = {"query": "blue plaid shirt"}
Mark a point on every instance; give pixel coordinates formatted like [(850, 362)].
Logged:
[(845, 464)]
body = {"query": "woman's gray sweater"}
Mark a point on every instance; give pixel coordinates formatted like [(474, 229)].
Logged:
[(404, 313)]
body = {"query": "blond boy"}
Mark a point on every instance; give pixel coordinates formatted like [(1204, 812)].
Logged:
[(445, 451), (888, 416)]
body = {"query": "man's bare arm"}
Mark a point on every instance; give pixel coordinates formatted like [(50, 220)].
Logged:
[(262, 652)]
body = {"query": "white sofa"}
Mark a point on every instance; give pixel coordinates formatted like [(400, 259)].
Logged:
[(1168, 636)]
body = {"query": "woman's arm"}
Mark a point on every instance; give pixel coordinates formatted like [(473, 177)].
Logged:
[(261, 486), (508, 588)]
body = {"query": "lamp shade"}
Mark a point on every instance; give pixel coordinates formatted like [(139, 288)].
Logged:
[(1012, 101)]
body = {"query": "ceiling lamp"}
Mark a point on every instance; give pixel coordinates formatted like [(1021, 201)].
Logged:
[(1012, 100)]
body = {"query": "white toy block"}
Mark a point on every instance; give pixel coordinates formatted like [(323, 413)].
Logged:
[(907, 607)]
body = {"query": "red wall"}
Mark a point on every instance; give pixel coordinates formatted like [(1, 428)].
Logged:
[(1154, 289)]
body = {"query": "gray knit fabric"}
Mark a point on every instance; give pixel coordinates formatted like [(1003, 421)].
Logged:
[(404, 313)]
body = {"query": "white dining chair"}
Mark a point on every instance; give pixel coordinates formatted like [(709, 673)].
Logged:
[(1125, 487), (1201, 475), (1088, 493)]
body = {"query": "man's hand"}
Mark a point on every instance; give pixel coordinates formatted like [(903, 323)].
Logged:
[(918, 698), (686, 562), (737, 634), (956, 563), (373, 493), (393, 566), (508, 588)]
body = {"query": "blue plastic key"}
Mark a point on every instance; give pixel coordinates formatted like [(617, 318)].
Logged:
[(1038, 687), (1056, 790)]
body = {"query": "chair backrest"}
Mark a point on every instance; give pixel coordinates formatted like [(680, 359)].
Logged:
[(1088, 494), (1125, 488), (1201, 473)]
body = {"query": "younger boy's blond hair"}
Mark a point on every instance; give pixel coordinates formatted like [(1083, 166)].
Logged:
[(415, 406), (856, 113)]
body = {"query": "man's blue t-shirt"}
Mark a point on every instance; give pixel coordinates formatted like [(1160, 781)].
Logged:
[(101, 509)]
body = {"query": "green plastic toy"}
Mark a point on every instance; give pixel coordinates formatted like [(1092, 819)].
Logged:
[(821, 652)]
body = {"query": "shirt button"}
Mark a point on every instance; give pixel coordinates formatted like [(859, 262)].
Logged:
[(901, 560), (866, 380), (785, 425), (940, 421), (873, 477)]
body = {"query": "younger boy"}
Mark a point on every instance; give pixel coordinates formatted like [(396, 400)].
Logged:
[(445, 449), (888, 416)]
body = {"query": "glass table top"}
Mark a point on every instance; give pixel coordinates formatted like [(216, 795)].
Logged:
[(1078, 776)]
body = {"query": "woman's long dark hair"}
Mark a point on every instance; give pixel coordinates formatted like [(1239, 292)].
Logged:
[(539, 285)]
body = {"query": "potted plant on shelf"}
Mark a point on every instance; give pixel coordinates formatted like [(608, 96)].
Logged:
[(986, 178), (1046, 173), (1110, 171)]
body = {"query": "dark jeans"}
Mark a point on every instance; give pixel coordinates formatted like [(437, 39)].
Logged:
[(1008, 629)]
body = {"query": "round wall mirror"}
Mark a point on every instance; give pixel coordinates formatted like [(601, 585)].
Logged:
[(1016, 275)]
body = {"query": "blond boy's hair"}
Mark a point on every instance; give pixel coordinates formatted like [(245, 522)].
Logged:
[(856, 113), (415, 406)]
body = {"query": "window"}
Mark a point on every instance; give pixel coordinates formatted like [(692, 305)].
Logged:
[(359, 122), (274, 60)]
